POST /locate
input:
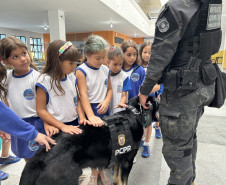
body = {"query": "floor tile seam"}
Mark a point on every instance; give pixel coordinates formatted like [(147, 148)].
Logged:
[(200, 142)]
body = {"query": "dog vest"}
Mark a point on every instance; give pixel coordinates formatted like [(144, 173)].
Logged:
[(121, 136)]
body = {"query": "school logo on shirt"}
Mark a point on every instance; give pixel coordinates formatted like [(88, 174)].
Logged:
[(29, 94), (106, 83), (119, 89), (33, 145), (135, 77), (76, 100)]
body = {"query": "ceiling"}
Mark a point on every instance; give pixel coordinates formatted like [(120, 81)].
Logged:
[(152, 8), (80, 15)]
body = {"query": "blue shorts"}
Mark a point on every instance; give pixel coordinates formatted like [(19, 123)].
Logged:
[(95, 109), (27, 149), (74, 123)]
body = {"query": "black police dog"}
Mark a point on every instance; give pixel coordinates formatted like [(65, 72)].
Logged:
[(63, 164)]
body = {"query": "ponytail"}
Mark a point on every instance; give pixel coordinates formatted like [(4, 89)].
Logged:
[(3, 90)]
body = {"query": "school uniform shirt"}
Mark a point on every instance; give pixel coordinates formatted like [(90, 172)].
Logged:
[(120, 83), (14, 125), (61, 106), (96, 82), (137, 75), (21, 93)]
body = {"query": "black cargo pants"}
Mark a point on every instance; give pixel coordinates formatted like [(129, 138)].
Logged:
[(180, 112)]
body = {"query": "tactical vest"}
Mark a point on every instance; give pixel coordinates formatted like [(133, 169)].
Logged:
[(207, 40), (121, 136)]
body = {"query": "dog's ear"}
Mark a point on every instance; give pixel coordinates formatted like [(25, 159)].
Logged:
[(135, 102)]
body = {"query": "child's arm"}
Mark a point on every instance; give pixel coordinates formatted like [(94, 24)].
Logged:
[(48, 118), (155, 88), (104, 105), (81, 81), (123, 100), (81, 114)]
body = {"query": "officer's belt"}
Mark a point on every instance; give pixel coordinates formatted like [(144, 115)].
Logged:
[(121, 136)]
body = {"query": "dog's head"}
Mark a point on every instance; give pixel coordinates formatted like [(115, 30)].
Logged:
[(146, 115)]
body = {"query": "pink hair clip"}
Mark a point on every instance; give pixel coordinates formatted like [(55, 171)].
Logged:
[(64, 47)]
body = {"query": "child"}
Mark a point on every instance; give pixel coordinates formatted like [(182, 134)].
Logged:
[(14, 125), (119, 80), (56, 89), (11, 123), (95, 90), (145, 54), (135, 72), (21, 94)]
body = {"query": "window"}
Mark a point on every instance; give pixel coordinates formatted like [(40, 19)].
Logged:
[(118, 40), (2, 36), (22, 38), (36, 47)]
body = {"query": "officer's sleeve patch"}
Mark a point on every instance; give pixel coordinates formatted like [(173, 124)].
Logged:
[(166, 23), (163, 25)]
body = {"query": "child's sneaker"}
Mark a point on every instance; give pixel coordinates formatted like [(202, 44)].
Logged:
[(3, 175), (146, 152), (9, 160), (158, 134)]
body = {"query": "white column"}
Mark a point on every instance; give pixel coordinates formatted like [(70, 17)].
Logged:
[(56, 25)]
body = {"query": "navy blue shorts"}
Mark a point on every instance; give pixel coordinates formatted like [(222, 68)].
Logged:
[(95, 109), (74, 123)]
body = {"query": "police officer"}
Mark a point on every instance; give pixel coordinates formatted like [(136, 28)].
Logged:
[(187, 33)]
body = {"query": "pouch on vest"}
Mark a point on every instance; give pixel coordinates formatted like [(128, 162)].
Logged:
[(190, 78), (171, 80), (190, 74), (214, 41), (220, 89), (208, 74)]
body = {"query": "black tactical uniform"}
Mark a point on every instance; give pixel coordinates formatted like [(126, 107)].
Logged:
[(187, 33)]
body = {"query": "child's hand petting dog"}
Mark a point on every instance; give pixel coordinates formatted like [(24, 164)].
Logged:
[(103, 107), (44, 140), (71, 129), (96, 121), (121, 105), (84, 122), (50, 130)]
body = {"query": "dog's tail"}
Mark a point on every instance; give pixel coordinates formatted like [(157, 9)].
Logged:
[(32, 171)]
